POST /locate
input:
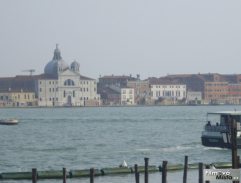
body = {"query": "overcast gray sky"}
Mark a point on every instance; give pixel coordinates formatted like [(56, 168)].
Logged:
[(150, 38)]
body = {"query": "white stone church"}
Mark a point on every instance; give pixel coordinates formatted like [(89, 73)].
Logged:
[(62, 85)]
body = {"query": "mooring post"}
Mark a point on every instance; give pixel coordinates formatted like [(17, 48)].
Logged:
[(64, 175), (185, 169), (137, 175), (200, 166), (92, 174), (146, 170), (238, 160), (234, 143), (34, 175), (164, 171), (207, 167)]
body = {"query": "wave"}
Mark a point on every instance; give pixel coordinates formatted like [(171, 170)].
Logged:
[(215, 148)]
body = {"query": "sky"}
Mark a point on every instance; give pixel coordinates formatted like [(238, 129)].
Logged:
[(122, 37)]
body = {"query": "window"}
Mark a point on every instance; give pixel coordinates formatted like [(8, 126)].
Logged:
[(40, 89), (73, 93), (69, 82), (49, 89), (87, 89), (50, 82), (64, 94)]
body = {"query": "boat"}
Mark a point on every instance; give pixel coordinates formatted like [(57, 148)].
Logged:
[(219, 133), (8, 121)]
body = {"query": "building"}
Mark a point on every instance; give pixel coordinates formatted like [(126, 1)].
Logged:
[(127, 96), (168, 91), (234, 93), (216, 92), (194, 97), (109, 88), (60, 85), (17, 99), (142, 91), (64, 86)]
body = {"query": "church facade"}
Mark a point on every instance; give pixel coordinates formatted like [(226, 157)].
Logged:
[(62, 85)]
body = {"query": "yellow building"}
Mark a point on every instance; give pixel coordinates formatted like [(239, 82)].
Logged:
[(17, 99)]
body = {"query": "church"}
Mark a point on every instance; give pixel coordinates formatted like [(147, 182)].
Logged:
[(62, 85)]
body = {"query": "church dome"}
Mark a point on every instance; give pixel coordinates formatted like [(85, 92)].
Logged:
[(56, 64), (75, 66)]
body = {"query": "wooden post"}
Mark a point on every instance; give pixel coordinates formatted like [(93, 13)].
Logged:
[(137, 175), (200, 166), (34, 175), (92, 174), (185, 169), (64, 175), (146, 170), (234, 143), (164, 172), (207, 167), (238, 160)]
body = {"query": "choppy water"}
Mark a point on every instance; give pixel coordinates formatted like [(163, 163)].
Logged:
[(76, 138)]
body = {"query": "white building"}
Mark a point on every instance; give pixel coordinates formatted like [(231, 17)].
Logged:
[(61, 85), (127, 96), (174, 91), (194, 97)]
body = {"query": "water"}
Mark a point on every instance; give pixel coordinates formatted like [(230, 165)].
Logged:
[(77, 138)]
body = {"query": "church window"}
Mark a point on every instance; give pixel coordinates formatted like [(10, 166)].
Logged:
[(69, 82)]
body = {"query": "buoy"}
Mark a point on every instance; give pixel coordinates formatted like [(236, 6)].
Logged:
[(83, 173), (117, 170), (17, 175), (151, 168), (52, 174)]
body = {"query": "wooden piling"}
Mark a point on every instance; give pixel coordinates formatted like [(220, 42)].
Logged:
[(146, 170), (92, 174), (137, 175), (234, 143), (64, 175), (164, 171), (200, 166), (238, 160), (185, 169), (34, 175), (207, 167)]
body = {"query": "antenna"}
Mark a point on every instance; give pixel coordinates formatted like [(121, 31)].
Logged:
[(31, 71)]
